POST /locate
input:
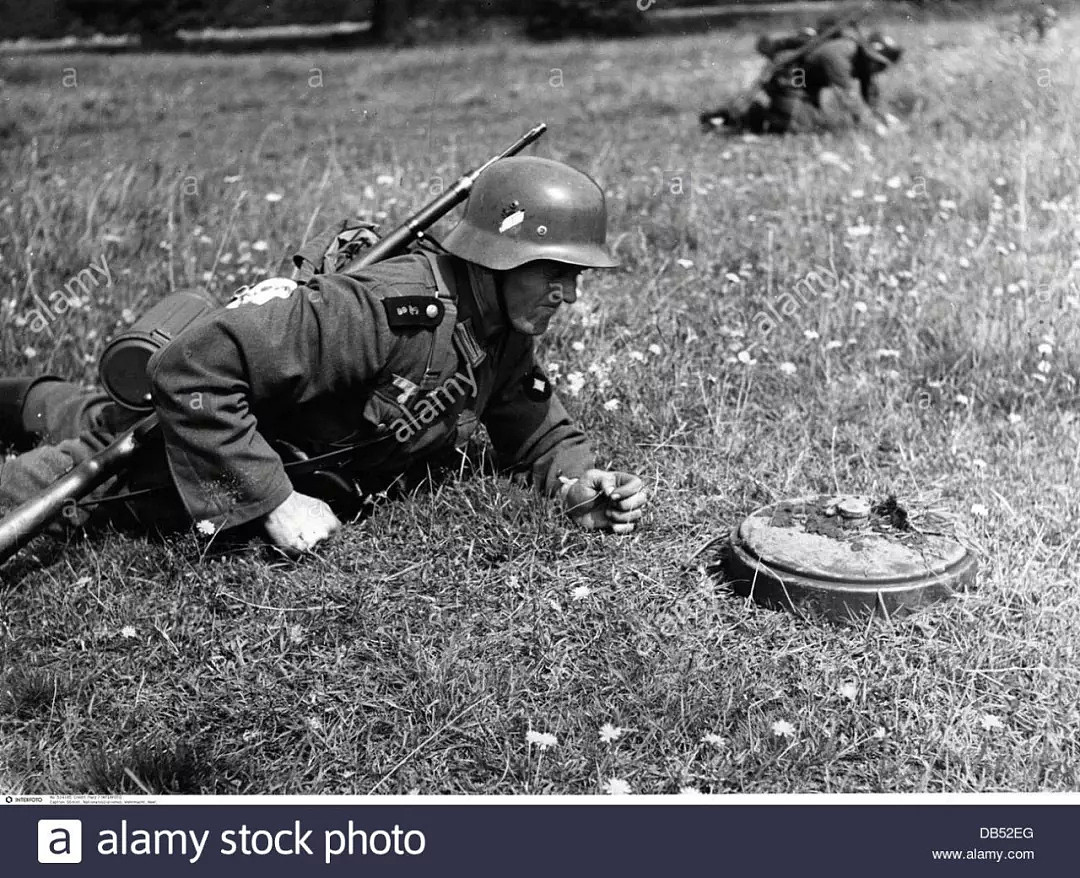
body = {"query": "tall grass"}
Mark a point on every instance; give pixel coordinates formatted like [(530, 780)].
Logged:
[(421, 647)]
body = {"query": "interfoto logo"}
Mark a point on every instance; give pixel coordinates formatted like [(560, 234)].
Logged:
[(59, 841)]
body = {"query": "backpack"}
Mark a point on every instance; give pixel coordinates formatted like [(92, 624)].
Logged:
[(344, 246)]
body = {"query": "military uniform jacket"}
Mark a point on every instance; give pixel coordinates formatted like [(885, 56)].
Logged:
[(842, 63), (390, 356)]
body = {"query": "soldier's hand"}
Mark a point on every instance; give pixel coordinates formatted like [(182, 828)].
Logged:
[(300, 523), (602, 500)]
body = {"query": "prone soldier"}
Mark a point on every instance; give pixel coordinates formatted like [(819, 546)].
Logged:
[(830, 85), (395, 360), (846, 69)]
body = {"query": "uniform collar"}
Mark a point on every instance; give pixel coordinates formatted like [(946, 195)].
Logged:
[(478, 297), (477, 294)]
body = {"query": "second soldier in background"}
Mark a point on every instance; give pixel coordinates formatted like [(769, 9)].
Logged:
[(826, 84)]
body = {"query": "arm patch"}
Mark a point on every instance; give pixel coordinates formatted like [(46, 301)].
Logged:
[(536, 385), (408, 312)]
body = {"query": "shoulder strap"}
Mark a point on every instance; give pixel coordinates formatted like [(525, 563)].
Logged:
[(444, 332)]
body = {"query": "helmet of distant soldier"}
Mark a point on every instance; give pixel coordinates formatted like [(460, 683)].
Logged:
[(524, 209)]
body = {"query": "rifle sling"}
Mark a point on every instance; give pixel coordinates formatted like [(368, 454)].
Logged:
[(293, 468)]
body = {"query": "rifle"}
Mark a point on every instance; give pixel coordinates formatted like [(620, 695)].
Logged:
[(741, 102), (26, 521)]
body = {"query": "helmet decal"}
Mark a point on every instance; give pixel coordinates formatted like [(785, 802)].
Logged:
[(511, 221)]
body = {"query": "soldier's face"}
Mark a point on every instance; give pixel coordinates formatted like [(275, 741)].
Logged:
[(534, 291)]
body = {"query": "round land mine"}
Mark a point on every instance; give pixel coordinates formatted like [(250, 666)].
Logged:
[(845, 558)]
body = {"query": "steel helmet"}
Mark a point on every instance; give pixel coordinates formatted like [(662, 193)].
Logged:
[(525, 208)]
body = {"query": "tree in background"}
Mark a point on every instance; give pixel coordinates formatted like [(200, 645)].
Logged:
[(555, 19), (394, 22), (262, 13), (37, 19), (155, 23), (391, 22)]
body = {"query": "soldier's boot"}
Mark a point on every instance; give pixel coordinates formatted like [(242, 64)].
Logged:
[(22, 409)]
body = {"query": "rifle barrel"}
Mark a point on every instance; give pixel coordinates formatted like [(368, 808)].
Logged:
[(25, 522)]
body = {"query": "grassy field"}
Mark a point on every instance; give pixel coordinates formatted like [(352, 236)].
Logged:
[(468, 639)]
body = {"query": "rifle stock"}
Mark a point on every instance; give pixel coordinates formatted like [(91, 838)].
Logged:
[(25, 522)]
